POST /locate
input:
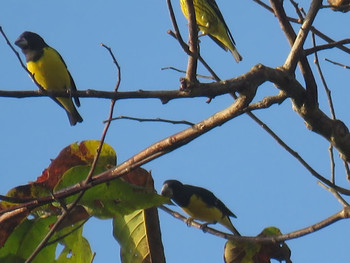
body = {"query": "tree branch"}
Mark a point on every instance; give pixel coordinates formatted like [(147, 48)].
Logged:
[(297, 43), (343, 214)]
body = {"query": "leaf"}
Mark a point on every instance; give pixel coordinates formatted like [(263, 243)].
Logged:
[(276, 251), (76, 155), (9, 221), (72, 156), (139, 236), (76, 247), (25, 238), (240, 252), (252, 252), (114, 197)]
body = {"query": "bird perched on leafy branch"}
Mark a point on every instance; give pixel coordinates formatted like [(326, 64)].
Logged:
[(211, 22), (49, 71), (199, 203)]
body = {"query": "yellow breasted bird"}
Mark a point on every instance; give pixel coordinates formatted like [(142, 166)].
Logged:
[(50, 71), (211, 22), (199, 203)]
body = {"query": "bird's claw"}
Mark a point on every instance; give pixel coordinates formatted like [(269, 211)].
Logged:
[(189, 221)]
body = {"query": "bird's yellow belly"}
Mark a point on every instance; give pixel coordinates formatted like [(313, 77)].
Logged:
[(50, 72), (199, 210)]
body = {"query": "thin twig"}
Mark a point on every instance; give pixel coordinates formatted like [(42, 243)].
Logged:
[(294, 153), (153, 120), (347, 170), (297, 10), (313, 29), (177, 34), (323, 80), (342, 214), (337, 63), (340, 199), (183, 71), (330, 102), (67, 234), (195, 224), (331, 156), (14, 51), (200, 58), (326, 46)]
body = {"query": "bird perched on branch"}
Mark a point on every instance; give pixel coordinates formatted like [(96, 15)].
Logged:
[(199, 203), (211, 22), (49, 71)]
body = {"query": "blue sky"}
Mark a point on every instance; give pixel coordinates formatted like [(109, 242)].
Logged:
[(259, 181)]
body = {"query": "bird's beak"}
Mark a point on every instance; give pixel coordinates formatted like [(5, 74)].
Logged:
[(21, 42), (166, 191)]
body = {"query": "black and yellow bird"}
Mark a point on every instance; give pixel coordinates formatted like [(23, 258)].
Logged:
[(49, 71), (211, 22), (199, 203)]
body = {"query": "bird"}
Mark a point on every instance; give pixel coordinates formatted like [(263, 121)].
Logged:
[(199, 203), (211, 22), (50, 71)]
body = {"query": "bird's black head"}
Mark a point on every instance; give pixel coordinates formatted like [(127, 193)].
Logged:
[(170, 188), (29, 41), (177, 191)]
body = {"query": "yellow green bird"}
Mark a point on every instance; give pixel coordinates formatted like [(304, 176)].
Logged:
[(199, 203), (211, 22), (50, 71)]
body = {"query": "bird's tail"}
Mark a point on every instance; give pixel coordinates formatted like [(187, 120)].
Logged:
[(228, 224), (74, 116), (68, 106), (236, 55), (227, 44)]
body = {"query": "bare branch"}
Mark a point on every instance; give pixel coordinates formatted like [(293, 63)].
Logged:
[(326, 46), (195, 224), (191, 71), (327, 90), (313, 29), (338, 64), (183, 71), (336, 194), (153, 120), (343, 214)]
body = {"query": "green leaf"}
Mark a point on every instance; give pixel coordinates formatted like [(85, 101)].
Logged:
[(240, 252), (76, 247), (250, 252), (139, 236), (270, 231), (25, 238), (111, 198)]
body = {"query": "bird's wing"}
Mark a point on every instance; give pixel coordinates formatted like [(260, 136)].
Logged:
[(215, 7), (210, 199), (72, 87)]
